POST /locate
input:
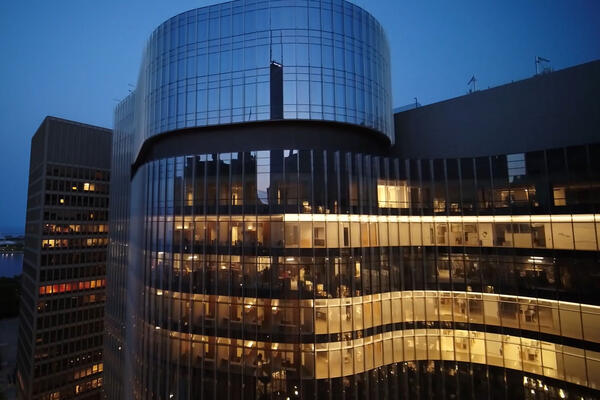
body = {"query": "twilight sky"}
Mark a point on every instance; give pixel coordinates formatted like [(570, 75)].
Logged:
[(73, 58)]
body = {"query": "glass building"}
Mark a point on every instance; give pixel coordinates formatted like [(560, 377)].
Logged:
[(276, 234)]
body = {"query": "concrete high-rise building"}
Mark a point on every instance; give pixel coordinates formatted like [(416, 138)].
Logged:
[(280, 234), (59, 353)]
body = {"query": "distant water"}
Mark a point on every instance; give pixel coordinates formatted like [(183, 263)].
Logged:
[(11, 264), (11, 231)]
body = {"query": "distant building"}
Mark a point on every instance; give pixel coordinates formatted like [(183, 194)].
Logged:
[(64, 267)]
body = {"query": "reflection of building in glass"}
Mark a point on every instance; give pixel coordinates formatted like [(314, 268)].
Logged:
[(325, 255), (64, 264)]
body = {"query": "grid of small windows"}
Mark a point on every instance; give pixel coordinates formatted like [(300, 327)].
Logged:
[(70, 229), (70, 296), (59, 185), (59, 328), (67, 378), (211, 65), (53, 304), (57, 382), (75, 214), (67, 171), (289, 272), (59, 288), (82, 257)]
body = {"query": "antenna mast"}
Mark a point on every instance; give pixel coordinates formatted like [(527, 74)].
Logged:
[(472, 81), (539, 61)]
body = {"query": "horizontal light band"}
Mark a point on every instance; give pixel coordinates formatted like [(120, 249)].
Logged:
[(408, 294), (335, 316), (402, 218), (350, 357), (441, 218)]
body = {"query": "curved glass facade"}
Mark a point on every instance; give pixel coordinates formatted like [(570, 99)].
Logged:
[(211, 65), (241, 270), (327, 274)]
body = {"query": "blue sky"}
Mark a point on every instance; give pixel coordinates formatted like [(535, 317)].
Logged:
[(72, 58)]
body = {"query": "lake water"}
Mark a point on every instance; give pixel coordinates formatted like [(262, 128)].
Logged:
[(11, 264)]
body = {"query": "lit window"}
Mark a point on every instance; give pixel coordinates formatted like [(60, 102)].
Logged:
[(392, 195)]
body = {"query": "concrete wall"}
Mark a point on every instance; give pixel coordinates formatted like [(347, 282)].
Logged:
[(553, 110), (70, 142)]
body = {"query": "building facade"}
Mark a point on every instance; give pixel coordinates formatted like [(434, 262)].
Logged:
[(283, 238), (116, 274), (59, 354)]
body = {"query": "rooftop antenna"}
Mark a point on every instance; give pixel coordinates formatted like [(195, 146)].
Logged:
[(472, 81), (538, 61)]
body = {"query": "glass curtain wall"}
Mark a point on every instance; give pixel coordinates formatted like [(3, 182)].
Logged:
[(211, 66), (115, 350), (306, 274)]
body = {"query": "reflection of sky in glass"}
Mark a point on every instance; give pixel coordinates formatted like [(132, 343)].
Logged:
[(263, 176), (211, 66), (516, 165)]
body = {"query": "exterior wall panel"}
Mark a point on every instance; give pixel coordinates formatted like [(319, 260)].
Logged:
[(554, 110)]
